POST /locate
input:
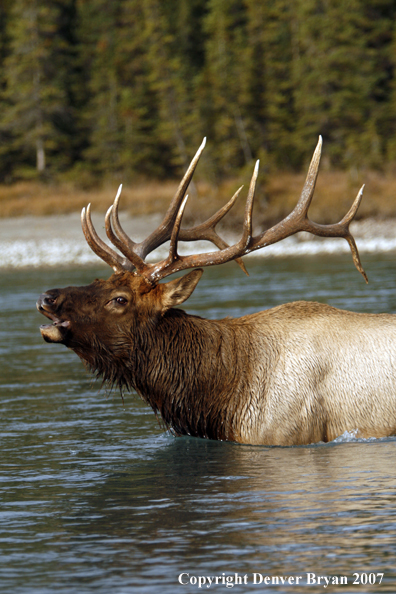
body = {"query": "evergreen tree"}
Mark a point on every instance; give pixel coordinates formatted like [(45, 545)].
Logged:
[(379, 32), (7, 155), (35, 95), (171, 78), (337, 78), (270, 92), (130, 87), (143, 150), (389, 101), (98, 46), (221, 105), (123, 115)]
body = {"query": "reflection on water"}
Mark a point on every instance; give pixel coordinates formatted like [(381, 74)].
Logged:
[(95, 497)]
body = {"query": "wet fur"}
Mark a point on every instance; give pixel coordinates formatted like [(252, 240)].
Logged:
[(299, 373)]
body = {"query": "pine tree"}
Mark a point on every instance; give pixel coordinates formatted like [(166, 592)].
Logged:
[(35, 94), (122, 115), (7, 160), (338, 78), (98, 46), (142, 150), (222, 110), (270, 92), (390, 101), (171, 80), (130, 87), (379, 32)]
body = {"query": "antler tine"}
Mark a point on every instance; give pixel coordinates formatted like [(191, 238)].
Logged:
[(344, 232), (309, 186), (340, 229), (200, 230), (175, 231), (164, 231), (175, 262), (298, 219), (206, 231), (120, 239), (354, 208), (115, 221), (157, 269), (98, 246), (137, 252), (247, 225)]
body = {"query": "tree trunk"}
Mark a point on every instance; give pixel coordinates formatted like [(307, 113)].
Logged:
[(40, 155)]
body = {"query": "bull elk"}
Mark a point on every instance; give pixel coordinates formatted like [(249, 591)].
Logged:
[(296, 374)]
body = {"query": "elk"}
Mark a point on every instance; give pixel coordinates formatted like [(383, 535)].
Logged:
[(299, 373)]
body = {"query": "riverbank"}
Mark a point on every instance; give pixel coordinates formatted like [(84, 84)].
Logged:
[(59, 241), (40, 223)]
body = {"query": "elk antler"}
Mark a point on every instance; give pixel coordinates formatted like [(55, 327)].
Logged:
[(135, 253)]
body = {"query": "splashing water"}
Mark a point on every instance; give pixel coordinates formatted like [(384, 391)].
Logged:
[(351, 436)]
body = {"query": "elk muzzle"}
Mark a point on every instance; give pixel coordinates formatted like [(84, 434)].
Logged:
[(57, 331)]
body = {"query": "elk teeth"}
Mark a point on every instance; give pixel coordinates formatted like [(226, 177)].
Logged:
[(65, 324)]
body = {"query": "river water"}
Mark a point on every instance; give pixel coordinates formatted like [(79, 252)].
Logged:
[(95, 497)]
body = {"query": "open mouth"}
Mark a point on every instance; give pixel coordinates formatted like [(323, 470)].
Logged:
[(56, 331)]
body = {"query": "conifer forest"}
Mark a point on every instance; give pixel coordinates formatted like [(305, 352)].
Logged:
[(92, 88)]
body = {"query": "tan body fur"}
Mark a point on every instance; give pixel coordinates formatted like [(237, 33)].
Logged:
[(315, 372), (296, 374)]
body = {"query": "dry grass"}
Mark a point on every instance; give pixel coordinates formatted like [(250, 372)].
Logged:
[(33, 198), (275, 198), (335, 192)]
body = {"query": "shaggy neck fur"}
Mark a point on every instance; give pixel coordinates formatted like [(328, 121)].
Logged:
[(197, 390)]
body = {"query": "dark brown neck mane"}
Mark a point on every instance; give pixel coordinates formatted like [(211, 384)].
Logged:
[(192, 393)]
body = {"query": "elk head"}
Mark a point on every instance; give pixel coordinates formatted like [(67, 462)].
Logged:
[(78, 314), (103, 321)]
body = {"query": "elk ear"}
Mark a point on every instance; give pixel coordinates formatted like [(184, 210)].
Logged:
[(177, 291)]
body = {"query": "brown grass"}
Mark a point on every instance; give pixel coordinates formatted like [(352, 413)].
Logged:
[(275, 198), (335, 192)]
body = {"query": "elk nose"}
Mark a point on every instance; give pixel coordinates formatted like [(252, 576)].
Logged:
[(45, 300)]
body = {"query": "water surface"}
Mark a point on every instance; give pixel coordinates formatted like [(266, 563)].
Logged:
[(95, 497)]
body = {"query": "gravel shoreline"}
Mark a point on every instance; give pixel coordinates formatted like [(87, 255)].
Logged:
[(58, 240)]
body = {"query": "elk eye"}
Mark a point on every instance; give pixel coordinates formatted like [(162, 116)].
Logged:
[(121, 300)]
